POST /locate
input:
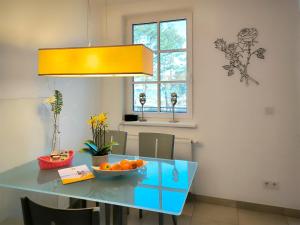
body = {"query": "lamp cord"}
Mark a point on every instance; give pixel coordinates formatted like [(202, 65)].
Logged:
[(88, 17), (87, 23), (106, 34)]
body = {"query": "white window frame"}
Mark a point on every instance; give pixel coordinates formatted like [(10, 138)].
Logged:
[(160, 17)]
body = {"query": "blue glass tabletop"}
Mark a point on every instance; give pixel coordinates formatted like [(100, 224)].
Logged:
[(162, 186)]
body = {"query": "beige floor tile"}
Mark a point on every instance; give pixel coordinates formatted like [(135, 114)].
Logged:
[(188, 208), (247, 217), (184, 220), (293, 221), (209, 214), (151, 218)]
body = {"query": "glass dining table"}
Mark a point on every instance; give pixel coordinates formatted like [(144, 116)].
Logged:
[(161, 186)]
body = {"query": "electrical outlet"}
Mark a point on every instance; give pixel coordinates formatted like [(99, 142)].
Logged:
[(271, 185)]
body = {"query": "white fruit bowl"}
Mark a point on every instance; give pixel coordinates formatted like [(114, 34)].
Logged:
[(114, 173)]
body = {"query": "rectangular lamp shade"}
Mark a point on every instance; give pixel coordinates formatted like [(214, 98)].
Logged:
[(105, 61)]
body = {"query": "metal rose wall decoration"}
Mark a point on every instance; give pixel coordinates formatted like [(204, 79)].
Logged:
[(239, 53)]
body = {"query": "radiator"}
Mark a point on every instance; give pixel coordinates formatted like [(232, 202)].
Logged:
[(182, 147)]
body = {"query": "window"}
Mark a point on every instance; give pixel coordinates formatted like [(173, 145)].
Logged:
[(170, 42)]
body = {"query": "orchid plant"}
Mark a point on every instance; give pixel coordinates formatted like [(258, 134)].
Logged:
[(56, 103), (239, 54), (99, 146)]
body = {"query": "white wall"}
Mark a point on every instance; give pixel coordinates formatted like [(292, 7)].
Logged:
[(25, 123), (240, 145)]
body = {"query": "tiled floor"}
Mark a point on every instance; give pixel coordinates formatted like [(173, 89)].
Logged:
[(196, 213), (208, 214)]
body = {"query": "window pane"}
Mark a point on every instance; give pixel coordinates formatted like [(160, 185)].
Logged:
[(145, 34), (151, 97), (173, 66), (173, 35), (148, 78), (166, 90)]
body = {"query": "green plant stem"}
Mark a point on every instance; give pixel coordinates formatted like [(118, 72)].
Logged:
[(97, 136), (100, 141), (104, 134), (93, 130), (54, 134)]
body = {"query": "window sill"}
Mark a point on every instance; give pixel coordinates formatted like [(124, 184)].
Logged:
[(160, 124)]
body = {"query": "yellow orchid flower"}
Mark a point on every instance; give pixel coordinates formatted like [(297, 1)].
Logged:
[(50, 100), (92, 121), (102, 118)]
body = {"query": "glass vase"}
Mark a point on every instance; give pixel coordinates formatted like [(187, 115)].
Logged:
[(55, 144)]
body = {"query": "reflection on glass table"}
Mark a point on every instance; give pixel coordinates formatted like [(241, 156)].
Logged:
[(162, 186)]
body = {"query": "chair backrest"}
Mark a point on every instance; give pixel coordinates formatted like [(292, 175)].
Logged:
[(35, 214), (120, 137), (156, 145)]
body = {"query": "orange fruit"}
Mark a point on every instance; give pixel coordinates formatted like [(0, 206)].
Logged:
[(124, 161), (105, 166), (126, 166), (133, 164), (140, 162), (116, 166)]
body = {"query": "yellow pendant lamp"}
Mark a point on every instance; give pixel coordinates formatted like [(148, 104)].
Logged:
[(96, 61), (105, 61)]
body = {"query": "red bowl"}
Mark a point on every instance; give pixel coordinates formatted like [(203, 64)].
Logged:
[(46, 164)]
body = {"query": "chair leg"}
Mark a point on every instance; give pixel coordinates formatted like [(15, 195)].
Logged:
[(119, 215), (105, 210), (160, 219), (140, 213), (174, 218), (107, 214)]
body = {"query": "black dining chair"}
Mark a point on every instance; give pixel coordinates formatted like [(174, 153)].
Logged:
[(35, 214), (157, 145)]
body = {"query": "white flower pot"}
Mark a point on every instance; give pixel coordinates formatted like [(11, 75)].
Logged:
[(97, 160)]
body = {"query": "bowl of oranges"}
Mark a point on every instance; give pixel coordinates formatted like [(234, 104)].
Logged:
[(123, 167)]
